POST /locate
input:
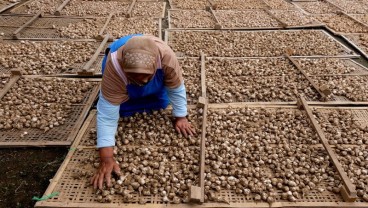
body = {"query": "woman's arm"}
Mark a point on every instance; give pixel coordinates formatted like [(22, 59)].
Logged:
[(178, 101), (107, 123)]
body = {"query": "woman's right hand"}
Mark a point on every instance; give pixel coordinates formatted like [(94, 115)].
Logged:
[(107, 166)]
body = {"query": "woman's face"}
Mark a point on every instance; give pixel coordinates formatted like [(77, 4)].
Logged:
[(139, 78)]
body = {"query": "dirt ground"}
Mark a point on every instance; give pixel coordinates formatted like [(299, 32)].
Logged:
[(25, 172)]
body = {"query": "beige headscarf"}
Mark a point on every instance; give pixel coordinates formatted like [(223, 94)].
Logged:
[(140, 55)]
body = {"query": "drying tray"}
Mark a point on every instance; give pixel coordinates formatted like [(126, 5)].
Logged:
[(139, 11), (190, 4), (291, 76), (52, 27), (72, 69), (238, 4), (62, 135), (131, 27), (78, 193), (359, 80), (269, 18), (312, 24), (49, 28), (347, 25), (360, 116), (348, 53), (355, 41), (193, 20), (309, 6), (93, 11), (358, 68), (23, 8)]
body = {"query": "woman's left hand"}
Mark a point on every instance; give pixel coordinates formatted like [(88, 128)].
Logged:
[(184, 127)]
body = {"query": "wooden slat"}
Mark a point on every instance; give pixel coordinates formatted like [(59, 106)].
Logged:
[(8, 6), (58, 10), (100, 34), (34, 18), (346, 107), (337, 103), (218, 25), (203, 148), (345, 75), (87, 67), (349, 192), (213, 5), (203, 75), (129, 12), (8, 85), (315, 86), (58, 39), (74, 77), (163, 10), (160, 28)]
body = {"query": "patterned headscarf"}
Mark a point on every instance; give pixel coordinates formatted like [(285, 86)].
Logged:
[(140, 55)]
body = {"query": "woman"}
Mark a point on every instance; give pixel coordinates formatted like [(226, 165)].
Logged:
[(140, 74)]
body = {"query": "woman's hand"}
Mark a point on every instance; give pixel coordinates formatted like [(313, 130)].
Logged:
[(107, 166), (184, 127)]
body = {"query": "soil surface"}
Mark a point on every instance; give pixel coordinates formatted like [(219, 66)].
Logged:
[(25, 172)]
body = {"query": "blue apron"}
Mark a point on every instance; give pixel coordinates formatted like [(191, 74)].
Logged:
[(152, 96)]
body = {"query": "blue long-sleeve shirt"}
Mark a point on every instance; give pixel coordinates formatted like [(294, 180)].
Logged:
[(108, 115)]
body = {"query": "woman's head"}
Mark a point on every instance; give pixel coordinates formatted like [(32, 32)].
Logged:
[(140, 57)]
